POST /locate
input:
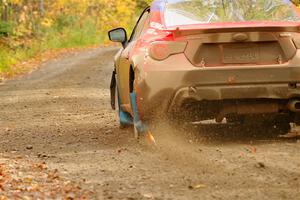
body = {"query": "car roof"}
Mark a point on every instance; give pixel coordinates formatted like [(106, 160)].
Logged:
[(167, 1), (163, 2), (158, 9), (159, 5)]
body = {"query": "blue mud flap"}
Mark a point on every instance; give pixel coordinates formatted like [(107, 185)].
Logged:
[(138, 124), (125, 118)]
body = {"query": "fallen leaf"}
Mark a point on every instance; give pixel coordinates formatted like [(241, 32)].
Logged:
[(260, 165), (29, 147), (198, 186)]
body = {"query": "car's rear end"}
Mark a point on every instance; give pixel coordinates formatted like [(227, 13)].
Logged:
[(217, 58)]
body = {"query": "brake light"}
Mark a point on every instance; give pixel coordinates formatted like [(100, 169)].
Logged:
[(161, 50)]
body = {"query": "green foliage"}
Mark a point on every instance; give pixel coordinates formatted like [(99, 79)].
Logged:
[(56, 37), (5, 59), (6, 28), (10, 57), (62, 21), (73, 36)]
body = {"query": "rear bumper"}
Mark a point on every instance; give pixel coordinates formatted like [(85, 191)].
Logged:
[(163, 85), (226, 92)]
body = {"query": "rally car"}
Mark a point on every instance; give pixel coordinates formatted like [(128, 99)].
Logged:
[(212, 59)]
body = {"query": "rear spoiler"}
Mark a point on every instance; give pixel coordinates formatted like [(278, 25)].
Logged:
[(185, 32)]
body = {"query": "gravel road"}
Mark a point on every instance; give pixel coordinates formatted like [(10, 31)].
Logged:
[(60, 115)]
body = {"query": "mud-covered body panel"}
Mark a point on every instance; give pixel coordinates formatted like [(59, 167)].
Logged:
[(166, 85), (209, 62)]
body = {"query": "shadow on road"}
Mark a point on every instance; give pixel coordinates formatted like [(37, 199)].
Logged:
[(246, 133)]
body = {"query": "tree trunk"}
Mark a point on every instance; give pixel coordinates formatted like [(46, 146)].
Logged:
[(5, 12), (42, 7)]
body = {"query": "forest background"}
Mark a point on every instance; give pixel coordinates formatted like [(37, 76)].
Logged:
[(29, 28)]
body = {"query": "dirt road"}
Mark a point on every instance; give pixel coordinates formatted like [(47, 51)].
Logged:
[(60, 114)]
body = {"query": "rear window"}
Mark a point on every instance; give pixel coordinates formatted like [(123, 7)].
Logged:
[(187, 12)]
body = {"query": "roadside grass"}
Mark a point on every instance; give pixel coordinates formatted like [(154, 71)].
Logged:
[(9, 57), (77, 36)]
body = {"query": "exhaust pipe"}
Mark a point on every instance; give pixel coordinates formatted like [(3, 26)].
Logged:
[(294, 105)]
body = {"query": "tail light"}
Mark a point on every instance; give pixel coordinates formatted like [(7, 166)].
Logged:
[(161, 50)]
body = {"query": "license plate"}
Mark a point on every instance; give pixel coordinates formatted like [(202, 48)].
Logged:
[(240, 53)]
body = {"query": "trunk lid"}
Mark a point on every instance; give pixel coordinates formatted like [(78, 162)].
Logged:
[(240, 45)]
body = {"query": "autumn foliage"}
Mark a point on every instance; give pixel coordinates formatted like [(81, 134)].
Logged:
[(30, 27)]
